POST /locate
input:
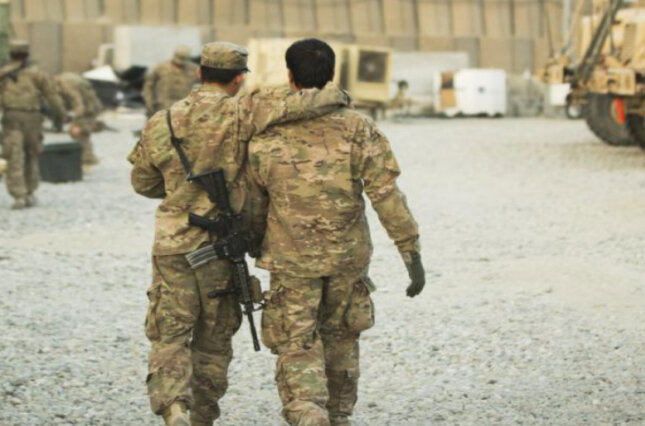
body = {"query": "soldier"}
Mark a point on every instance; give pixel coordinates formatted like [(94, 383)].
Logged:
[(23, 88), (190, 333), (310, 176), (80, 98), (169, 81)]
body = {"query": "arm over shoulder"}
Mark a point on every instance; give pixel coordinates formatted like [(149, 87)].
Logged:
[(264, 107)]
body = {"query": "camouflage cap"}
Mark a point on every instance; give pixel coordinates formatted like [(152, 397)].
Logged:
[(224, 55), (18, 46), (182, 54)]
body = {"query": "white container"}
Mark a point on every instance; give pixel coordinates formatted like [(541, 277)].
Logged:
[(477, 92), (558, 94), (133, 44)]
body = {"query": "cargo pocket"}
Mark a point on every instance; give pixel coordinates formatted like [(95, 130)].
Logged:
[(359, 315), (151, 323), (272, 320), (228, 315), (10, 138), (343, 391)]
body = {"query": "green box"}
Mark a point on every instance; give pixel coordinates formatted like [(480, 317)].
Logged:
[(61, 162)]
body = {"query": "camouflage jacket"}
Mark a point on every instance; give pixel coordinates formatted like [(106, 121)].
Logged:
[(307, 181), (78, 95), (168, 83), (24, 88), (215, 129)]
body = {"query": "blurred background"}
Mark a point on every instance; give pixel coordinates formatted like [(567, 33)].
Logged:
[(417, 40)]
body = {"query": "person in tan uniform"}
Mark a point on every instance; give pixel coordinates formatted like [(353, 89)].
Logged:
[(307, 180), (23, 89), (189, 332), (80, 99), (169, 81)]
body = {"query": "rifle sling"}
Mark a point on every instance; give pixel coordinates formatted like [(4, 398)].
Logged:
[(176, 143)]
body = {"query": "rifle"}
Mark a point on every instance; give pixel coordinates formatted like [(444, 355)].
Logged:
[(234, 240), (13, 73), (233, 243)]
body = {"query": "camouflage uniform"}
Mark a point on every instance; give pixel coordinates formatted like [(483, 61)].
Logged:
[(80, 98), (215, 129), (23, 88), (308, 179), (169, 82)]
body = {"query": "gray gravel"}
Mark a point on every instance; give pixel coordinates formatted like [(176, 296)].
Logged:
[(533, 235)]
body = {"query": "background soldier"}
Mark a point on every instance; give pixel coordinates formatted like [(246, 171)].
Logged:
[(80, 99), (169, 81), (311, 176), (23, 88), (190, 333)]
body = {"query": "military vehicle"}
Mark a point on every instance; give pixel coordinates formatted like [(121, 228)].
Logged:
[(608, 81)]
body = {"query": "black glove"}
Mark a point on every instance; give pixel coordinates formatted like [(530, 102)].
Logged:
[(416, 272)]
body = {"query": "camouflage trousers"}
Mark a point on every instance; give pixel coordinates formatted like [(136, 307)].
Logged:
[(313, 325), (81, 131), (190, 336), (22, 143)]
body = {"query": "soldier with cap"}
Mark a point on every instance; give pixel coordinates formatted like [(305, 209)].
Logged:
[(307, 181), (169, 81), (23, 89), (80, 99), (190, 333)]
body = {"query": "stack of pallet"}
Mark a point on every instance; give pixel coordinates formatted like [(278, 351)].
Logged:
[(508, 34)]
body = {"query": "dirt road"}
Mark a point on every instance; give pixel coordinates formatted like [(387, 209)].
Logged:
[(533, 236)]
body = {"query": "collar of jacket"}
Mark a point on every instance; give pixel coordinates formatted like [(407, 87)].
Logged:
[(212, 88)]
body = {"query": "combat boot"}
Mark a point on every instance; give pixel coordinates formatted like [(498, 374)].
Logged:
[(339, 421), (19, 203), (314, 418), (31, 200), (90, 160), (176, 415), (196, 419)]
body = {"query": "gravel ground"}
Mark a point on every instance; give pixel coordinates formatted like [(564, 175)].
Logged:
[(533, 236)]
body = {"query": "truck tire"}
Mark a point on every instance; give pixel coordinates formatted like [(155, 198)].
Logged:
[(636, 126), (600, 120)]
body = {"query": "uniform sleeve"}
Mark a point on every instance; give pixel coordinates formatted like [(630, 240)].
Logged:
[(379, 170), (149, 90), (258, 200), (74, 99), (48, 91), (264, 107), (145, 178), (94, 103)]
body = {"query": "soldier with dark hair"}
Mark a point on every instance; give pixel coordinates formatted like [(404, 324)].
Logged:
[(308, 180)]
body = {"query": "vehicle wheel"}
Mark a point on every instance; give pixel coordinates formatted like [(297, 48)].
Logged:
[(606, 119), (636, 126)]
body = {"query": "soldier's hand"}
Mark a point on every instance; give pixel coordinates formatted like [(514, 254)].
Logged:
[(416, 272)]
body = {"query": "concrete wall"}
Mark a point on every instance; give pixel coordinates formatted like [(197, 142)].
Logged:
[(509, 34)]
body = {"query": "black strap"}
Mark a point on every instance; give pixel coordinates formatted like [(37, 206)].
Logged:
[(176, 143)]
